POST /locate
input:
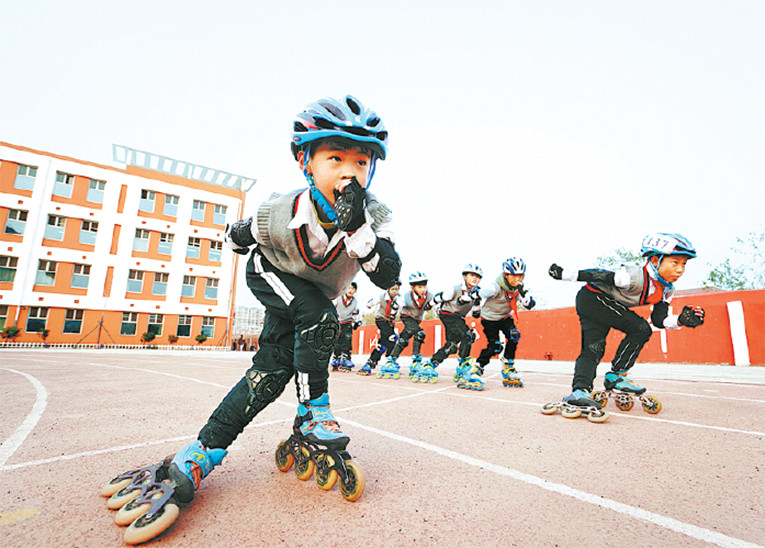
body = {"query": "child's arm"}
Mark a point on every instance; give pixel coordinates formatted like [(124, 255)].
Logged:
[(618, 279), (526, 300), (240, 235), (691, 316)]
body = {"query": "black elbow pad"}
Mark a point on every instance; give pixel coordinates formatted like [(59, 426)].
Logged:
[(596, 275), (659, 314), (388, 265)]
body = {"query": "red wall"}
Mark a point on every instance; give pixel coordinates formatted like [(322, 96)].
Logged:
[(554, 334)]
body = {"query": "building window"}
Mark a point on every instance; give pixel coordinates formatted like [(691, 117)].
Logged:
[(8, 268), (171, 205), (46, 273), (135, 281), (208, 326), (81, 276), (216, 248), (211, 288), (96, 191), (147, 201), (184, 326), (165, 243), (189, 285), (73, 321), (129, 323), (17, 220), (3, 315), (155, 324), (54, 230), (37, 319), (141, 240), (160, 284), (198, 211), (25, 177), (64, 184), (88, 232), (193, 247), (219, 216)]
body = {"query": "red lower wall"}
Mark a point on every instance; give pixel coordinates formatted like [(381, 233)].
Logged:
[(554, 334)]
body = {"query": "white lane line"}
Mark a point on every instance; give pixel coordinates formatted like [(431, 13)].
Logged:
[(637, 513), (9, 446)]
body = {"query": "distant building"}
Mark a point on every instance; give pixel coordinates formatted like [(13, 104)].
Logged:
[(101, 255), (248, 321)]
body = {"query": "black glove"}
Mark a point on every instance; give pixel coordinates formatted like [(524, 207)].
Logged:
[(356, 325), (476, 313), (350, 206), (691, 316), (238, 236), (555, 271)]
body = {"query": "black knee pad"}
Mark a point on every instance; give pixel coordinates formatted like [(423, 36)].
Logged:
[(321, 337), (598, 348), (644, 332), (468, 337), (515, 335), (264, 387), (451, 348), (419, 336)]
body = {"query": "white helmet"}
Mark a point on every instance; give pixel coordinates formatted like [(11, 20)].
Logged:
[(418, 278), (514, 265), (471, 268)]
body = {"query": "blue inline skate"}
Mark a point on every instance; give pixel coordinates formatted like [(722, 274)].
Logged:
[(365, 370), (318, 445), (579, 402), (625, 393), (346, 365), (463, 367), (472, 379), (148, 498), (426, 373), (390, 370), (335, 363), (415, 365), (510, 376)]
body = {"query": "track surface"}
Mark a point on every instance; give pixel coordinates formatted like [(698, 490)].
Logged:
[(444, 466)]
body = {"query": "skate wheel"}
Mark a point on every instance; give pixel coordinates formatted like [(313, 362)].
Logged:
[(123, 496), (651, 405), (326, 477), (305, 466), (283, 457), (144, 528), (379, 374), (600, 397), (115, 485), (624, 404), (396, 375), (354, 483), (134, 509), (570, 413), (549, 409), (597, 416)]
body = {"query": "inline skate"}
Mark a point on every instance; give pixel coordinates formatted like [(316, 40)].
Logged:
[(426, 373), (390, 370), (318, 445), (510, 376), (367, 368), (345, 365), (463, 367), (148, 498), (415, 365), (579, 403), (472, 379), (625, 393)]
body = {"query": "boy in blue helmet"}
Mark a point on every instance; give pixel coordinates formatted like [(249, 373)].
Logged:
[(499, 313), (605, 301), (349, 317), (454, 304), (307, 246), (385, 308)]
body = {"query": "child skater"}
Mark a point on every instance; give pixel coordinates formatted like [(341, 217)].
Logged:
[(455, 303), (307, 246), (499, 313), (385, 307), (605, 301), (416, 302), (349, 317)]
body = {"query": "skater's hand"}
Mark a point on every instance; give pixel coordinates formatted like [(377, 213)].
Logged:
[(350, 206), (476, 313), (691, 316), (556, 271), (527, 301), (239, 231), (356, 325)]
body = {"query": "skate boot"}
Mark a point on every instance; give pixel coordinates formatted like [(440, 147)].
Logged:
[(346, 365), (148, 497), (618, 380), (317, 444), (427, 373), (390, 370), (366, 369), (625, 393), (415, 365), (510, 376), (335, 363), (472, 379), (463, 367), (579, 402)]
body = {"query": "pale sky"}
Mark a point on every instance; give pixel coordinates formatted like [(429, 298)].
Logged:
[(556, 131)]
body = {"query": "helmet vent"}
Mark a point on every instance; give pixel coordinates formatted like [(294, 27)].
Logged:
[(332, 109), (353, 105)]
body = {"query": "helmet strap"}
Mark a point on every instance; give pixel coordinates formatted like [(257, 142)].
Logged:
[(318, 197), (653, 271)]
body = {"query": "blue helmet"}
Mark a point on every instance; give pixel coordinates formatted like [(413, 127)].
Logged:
[(471, 268), (514, 265), (661, 243), (418, 278), (347, 118)]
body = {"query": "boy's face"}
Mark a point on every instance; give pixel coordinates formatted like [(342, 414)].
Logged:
[(393, 291), (350, 292), (671, 267), (471, 280), (334, 164), (514, 280), (420, 289)]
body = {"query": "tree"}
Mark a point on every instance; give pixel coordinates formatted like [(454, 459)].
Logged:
[(746, 270), (619, 257)]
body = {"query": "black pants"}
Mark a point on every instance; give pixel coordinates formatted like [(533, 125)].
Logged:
[(344, 343), (299, 334), (598, 313), (458, 334), (411, 328), (491, 330), (385, 342)]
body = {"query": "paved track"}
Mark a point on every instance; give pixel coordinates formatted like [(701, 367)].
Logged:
[(444, 466)]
